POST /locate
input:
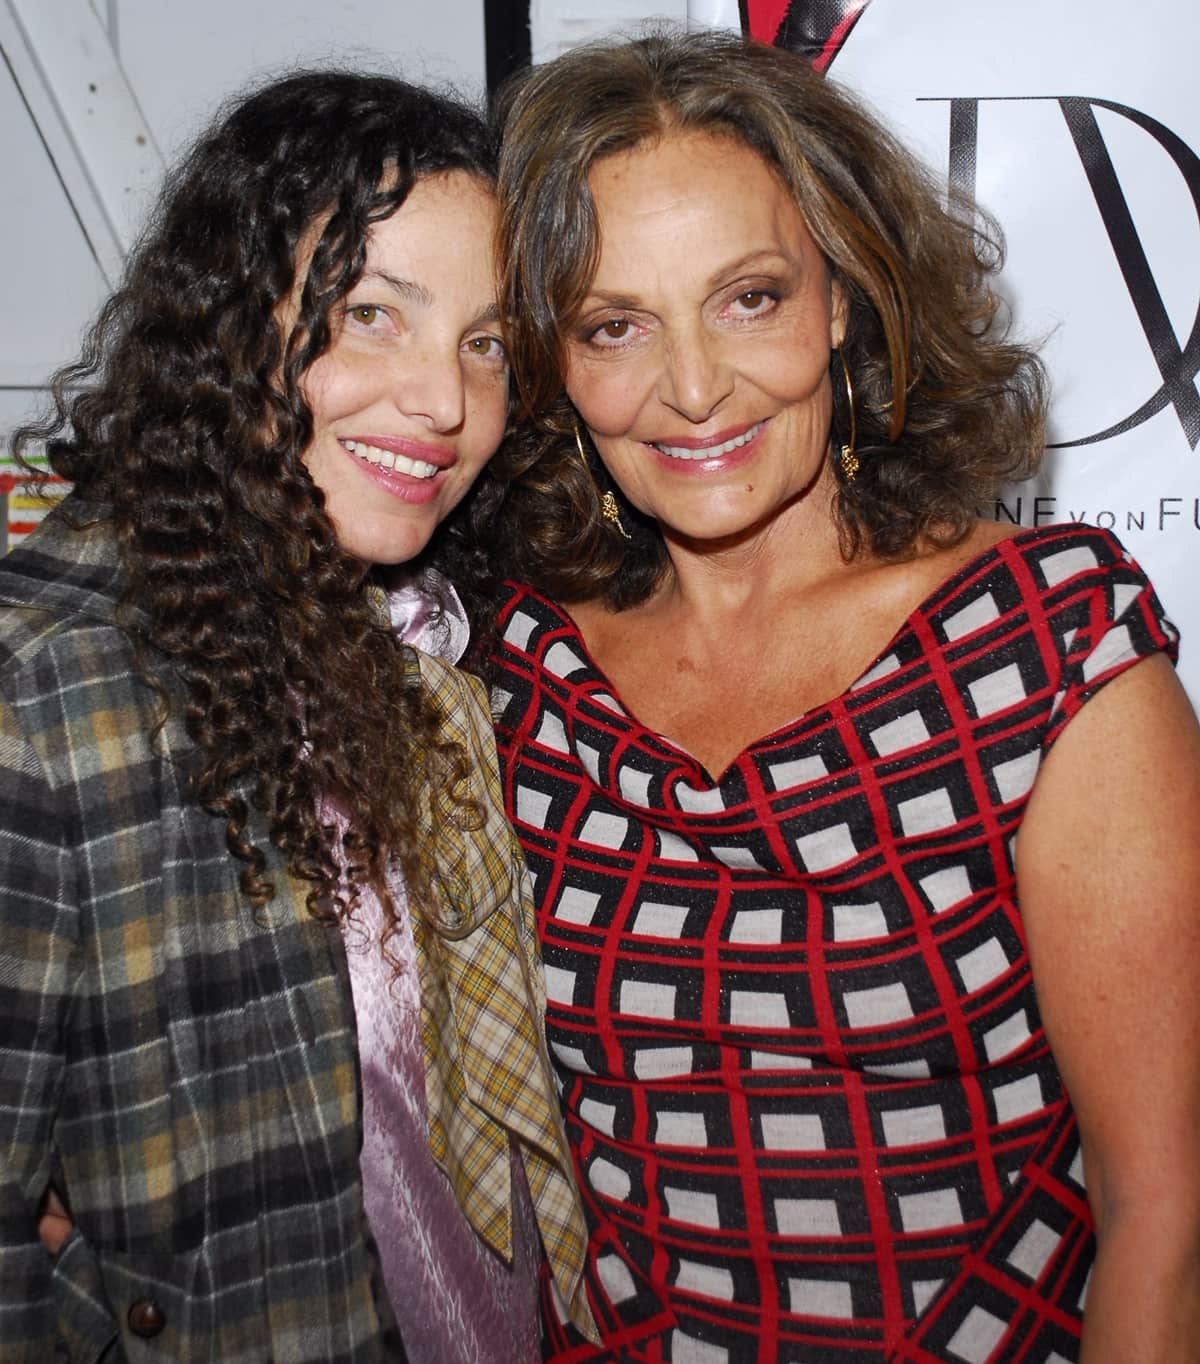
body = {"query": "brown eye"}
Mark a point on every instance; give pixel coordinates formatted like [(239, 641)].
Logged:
[(616, 328), (752, 299), (487, 346), (366, 313)]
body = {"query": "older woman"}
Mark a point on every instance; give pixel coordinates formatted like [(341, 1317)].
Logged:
[(845, 809), (270, 1058)]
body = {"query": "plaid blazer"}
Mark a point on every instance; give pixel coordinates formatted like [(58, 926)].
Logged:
[(185, 1068)]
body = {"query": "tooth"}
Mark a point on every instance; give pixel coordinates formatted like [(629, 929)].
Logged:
[(712, 451), (372, 454)]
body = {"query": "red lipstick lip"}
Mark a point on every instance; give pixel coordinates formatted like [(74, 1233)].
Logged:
[(703, 442), (440, 455)]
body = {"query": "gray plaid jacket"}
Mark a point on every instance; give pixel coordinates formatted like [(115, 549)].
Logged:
[(183, 1066)]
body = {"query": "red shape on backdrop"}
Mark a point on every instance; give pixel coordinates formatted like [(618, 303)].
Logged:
[(816, 29), (764, 18)]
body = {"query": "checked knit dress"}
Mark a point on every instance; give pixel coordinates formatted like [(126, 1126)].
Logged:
[(809, 1098)]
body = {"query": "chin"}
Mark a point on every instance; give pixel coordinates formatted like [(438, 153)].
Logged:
[(717, 530), (385, 546), (391, 558)]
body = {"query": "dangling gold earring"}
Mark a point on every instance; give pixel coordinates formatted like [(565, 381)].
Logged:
[(608, 503), (847, 458)]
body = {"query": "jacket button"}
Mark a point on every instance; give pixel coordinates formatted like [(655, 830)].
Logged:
[(146, 1318)]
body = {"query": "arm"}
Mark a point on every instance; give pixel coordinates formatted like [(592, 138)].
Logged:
[(55, 1223), (1108, 872), (37, 965)]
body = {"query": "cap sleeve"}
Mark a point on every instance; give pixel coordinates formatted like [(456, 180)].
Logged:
[(1117, 617)]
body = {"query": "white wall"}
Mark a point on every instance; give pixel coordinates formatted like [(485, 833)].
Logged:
[(557, 25), (180, 59), (183, 55)]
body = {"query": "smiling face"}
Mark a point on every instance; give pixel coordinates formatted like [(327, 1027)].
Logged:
[(410, 400), (700, 357)]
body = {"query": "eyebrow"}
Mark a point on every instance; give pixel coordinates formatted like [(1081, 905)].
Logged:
[(417, 293), (763, 256), (489, 313), (406, 288), (598, 296), (733, 268)]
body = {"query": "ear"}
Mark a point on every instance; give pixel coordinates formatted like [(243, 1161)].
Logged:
[(838, 312)]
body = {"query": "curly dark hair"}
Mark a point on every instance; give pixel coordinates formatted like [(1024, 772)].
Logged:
[(946, 408), (189, 437)]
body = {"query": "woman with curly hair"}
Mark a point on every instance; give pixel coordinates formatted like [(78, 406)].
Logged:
[(271, 1072), (843, 806)]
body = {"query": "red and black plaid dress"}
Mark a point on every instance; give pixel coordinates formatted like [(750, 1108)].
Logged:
[(806, 1085)]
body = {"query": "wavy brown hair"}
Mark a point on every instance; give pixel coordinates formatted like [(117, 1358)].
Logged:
[(189, 437), (946, 408)]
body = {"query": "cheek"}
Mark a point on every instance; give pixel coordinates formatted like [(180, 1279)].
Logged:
[(793, 369), (322, 388), (608, 397), (489, 415)]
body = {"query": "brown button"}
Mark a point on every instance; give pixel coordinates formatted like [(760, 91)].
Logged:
[(146, 1318)]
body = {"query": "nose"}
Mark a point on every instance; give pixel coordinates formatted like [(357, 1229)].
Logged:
[(431, 387), (696, 379)]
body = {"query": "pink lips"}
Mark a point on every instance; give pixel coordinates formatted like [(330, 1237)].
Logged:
[(721, 460), (440, 455), (407, 487)]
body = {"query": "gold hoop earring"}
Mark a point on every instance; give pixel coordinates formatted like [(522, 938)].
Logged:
[(847, 457), (609, 511)]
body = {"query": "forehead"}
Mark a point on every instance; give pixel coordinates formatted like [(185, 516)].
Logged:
[(710, 190), (443, 213), (711, 148), (456, 202)]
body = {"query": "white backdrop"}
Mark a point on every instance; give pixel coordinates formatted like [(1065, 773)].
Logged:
[(1084, 117)]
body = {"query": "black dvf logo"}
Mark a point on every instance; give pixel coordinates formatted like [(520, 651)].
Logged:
[(1178, 365)]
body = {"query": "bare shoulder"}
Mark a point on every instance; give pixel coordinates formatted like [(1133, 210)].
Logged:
[(590, 615), (891, 589), (983, 535)]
